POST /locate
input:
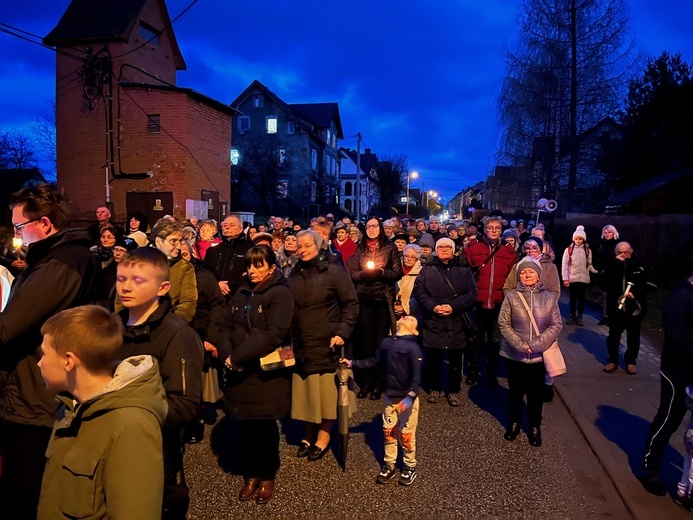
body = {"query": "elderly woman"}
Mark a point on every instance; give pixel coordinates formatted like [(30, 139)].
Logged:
[(445, 288), (411, 267), (355, 234), (375, 269), (533, 248), (342, 243), (605, 254), (207, 237), (522, 347), (104, 251), (547, 249), (325, 312), (166, 236), (261, 315), (287, 256)]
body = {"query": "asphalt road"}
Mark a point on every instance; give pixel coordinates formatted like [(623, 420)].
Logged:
[(466, 470)]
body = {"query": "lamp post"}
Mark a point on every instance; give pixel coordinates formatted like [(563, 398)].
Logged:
[(412, 175)]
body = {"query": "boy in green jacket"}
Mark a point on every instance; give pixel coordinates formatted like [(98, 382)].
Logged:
[(104, 455)]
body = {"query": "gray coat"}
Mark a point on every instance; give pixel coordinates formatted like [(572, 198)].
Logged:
[(517, 334)]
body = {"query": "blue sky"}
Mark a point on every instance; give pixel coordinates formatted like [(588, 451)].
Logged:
[(414, 77)]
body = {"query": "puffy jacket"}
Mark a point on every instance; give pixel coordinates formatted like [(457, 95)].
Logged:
[(492, 276), (227, 261), (385, 257), (517, 333), (104, 456), (325, 305), (577, 263), (60, 273), (400, 359), (178, 349), (257, 323), (431, 289), (549, 277)]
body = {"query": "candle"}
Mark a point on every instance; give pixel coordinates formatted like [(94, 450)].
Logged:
[(370, 264), (17, 243)]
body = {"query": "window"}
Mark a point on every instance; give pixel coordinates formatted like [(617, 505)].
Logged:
[(258, 100), (334, 166), (235, 156), (347, 189), (154, 123), (282, 155), (347, 204), (290, 127), (149, 34), (271, 124), (328, 137), (282, 188), (327, 164), (243, 124), (314, 159), (334, 140)]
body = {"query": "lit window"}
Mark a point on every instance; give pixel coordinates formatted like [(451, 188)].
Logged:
[(282, 155), (272, 124), (154, 123), (290, 127), (235, 155), (258, 100), (243, 124), (314, 159)]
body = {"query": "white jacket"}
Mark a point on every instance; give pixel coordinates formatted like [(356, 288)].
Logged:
[(6, 279), (577, 267)]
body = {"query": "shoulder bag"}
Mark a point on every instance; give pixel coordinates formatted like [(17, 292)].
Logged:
[(553, 358)]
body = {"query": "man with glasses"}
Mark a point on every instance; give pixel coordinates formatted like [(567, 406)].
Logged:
[(60, 273), (491, 261), (226, 260)]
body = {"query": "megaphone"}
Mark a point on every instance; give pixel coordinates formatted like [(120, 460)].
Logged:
[(541, 204), (551, 205)]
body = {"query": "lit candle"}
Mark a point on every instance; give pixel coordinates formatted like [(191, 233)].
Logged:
[(370, 264), (17, 243)]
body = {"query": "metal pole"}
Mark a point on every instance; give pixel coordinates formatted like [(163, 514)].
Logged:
[(358, 177), (407, 212)]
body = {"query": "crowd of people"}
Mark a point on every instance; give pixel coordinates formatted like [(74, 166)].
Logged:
[(143, 331)]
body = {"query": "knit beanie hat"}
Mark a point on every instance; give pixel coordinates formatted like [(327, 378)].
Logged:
[(407, 325), (401, 236), (529, 263), (445, 241), (510, 233), (580, 232), (126, 243), (427, 240), (538, 241)]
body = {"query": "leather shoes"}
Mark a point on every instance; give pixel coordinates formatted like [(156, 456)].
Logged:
[(249, 488), (303, 450), (610, 367), (264, 492), (316, 453), (375, 394), (631, 370), (512, 432), (534, 437), (363, 393)]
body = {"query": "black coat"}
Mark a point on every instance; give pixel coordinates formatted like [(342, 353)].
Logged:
[(209, 299), (385, 257), (325, 305), (431, 289), (617, 274), (227, 261), (677, 314), (257, 322), (60, 273)]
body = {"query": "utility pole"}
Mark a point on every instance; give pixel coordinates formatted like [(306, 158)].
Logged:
[(358, 177)]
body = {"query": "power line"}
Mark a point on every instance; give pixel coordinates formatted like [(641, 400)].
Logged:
[(40, 44)]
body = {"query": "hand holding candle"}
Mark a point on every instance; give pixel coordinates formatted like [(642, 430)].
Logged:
[(370, 264)]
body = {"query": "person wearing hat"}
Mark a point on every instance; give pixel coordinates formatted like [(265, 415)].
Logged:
[(444, 289), (121, 247), (547, 249), (434, 228), (426, 243), (400, 240), (522, 349), (275, 238), (402, 360), (577, 266), (454, 234)]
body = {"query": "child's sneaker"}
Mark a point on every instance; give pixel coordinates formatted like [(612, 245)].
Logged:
[(433, 397), (684, 501), (385, 475), (407, 476), (454, 399)]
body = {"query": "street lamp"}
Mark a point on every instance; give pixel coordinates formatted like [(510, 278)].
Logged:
[(412, 175)]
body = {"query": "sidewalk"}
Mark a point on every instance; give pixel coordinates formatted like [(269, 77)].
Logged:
[(614, 412)]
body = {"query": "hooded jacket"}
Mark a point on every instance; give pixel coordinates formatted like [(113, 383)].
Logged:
[(104, 456), (61, 273), (431, 290), (259, 322), (325, 305), (577, 263), (178, 349), (517, 333)]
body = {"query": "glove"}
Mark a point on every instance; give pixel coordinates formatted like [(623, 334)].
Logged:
[(370, 275), (405, 403)]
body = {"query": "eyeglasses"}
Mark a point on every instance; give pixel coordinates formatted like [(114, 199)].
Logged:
[(410, 257), (173, 241), (372, 226), (444, 247), (531, 248), (493, 229), (18, 227)]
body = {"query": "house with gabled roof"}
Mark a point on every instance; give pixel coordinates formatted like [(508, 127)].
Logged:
[(367, 179), (127, 135), (285, 159)]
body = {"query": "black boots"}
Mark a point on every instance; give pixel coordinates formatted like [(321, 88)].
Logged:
[(512, 432), (534, 436)]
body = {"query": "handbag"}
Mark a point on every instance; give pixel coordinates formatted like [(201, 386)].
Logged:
[(552, 356), (282, 357), (211, 392)]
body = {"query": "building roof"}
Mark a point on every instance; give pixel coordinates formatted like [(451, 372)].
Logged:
[(101, 21), (636, 192), (320, 114), (193, 94)]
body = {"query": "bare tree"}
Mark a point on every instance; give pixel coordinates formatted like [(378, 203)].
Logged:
[(568, 71), (391, 175), (16, 150), (43, 130)]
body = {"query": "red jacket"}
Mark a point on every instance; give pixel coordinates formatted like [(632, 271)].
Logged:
[(348, 248), (491, 278)]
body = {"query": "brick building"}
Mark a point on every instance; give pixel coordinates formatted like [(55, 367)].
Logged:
[(122, 118)]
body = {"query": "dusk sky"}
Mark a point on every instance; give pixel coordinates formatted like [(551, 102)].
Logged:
[(414, 77)]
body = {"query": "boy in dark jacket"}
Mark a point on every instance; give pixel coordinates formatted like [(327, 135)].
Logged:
[(152, 329), (400, 357)]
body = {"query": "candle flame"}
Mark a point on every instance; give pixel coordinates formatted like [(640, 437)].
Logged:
[(17, 243), (370, 264)]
